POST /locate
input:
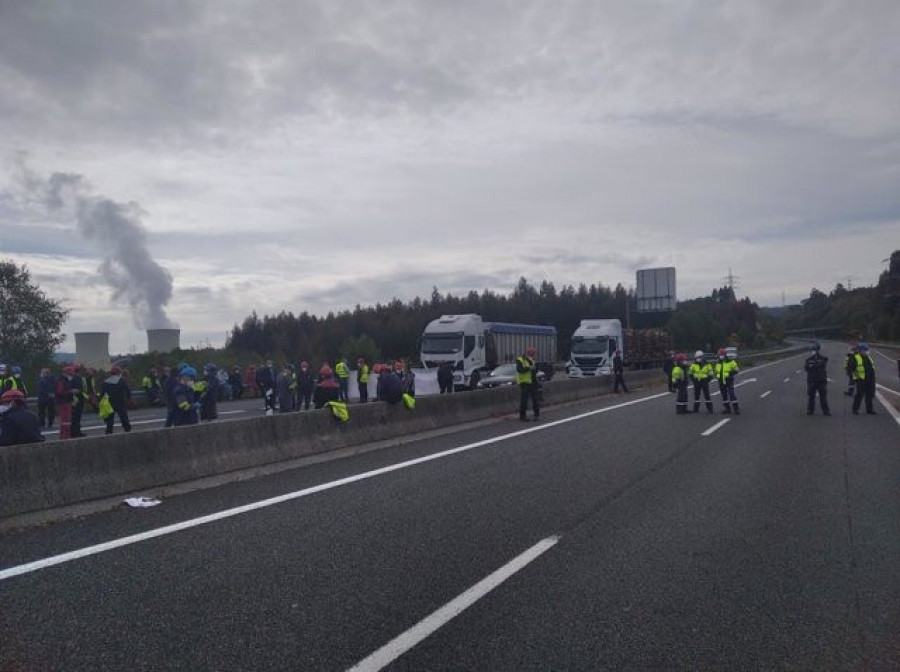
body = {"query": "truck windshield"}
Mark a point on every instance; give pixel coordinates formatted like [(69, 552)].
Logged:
[(590, 346), (441, 344)]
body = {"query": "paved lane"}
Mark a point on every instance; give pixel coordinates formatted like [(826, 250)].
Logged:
[(766, 543)]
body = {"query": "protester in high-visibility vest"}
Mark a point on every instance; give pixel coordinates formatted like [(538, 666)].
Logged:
[(680, 383), (342, 371), (362, 379), (526, 377)]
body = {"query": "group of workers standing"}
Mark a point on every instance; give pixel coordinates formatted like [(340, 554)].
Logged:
[(701, 373)]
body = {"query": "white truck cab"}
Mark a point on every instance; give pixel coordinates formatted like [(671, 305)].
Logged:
[(592, 347)]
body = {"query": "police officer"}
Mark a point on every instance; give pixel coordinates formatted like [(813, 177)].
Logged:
[(864, 379), (816, 379), (526, 377), (701, 372), (680, 382), (725, 371)]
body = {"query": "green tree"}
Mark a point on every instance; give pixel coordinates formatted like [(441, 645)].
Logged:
[(30, 322), (354, 347)]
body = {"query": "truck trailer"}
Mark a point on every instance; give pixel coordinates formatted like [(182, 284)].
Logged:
[(476, 347)]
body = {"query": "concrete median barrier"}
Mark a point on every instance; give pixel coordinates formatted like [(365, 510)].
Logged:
[(38, 477)]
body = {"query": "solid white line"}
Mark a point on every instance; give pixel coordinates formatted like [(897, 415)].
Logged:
[(139, 422), (246, 508), (887, 405), (715, 427), (785, 380), (424, 628), (765, 394)]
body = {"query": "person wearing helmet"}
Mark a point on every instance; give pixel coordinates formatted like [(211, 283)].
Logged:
[(526, 377), (327, 388), (184, 398), (680, 383), (362, 380), (14, 380), (725, 371), (864, 379), (816, 379), (701, 372), (18, 425), (116, 389), (390, 384)]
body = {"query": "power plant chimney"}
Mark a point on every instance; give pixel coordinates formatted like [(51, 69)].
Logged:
[(92, 349), (163, 340)]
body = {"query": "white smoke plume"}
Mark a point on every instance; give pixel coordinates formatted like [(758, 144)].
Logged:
[(117, 230)]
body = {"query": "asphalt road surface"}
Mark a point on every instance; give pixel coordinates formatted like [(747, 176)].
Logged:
[(612, 535)]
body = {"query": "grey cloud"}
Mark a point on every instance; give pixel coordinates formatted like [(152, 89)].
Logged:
[(128, 267)]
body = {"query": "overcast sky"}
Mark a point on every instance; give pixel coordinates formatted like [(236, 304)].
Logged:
[(315, 155)]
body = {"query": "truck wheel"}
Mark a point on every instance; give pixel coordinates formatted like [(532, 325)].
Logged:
[(473, 381)]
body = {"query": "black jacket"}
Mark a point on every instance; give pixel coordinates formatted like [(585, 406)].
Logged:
[(117, 390), (19, 425), (816, 368)]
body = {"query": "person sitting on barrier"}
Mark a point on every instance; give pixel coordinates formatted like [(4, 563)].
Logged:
[(184, 398), (327, 388), (390, 385), (17, 424)]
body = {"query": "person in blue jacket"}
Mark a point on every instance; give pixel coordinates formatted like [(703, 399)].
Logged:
[(184, 399)]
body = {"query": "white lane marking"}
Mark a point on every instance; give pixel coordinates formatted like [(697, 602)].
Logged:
[(785, 380), (797, 371), (424, 628), (246, 508), (887, 405), (716, 426), (765, 394), (139, 422)]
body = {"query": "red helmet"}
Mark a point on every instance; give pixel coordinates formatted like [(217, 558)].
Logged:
[(115, 370), (69, 370), (13, 396), (325, 370), (680, 357), (721, 352)]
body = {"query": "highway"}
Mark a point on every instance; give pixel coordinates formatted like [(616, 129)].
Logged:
[(611, 535)]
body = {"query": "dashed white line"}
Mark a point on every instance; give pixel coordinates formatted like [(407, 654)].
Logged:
[(785, 380), (765, 394), (716, 426), (407, 640)]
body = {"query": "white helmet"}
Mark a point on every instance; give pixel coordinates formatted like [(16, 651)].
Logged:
[(698, 354)]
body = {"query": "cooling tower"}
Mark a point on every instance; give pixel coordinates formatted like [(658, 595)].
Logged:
[(163, 340), (92, 349)]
